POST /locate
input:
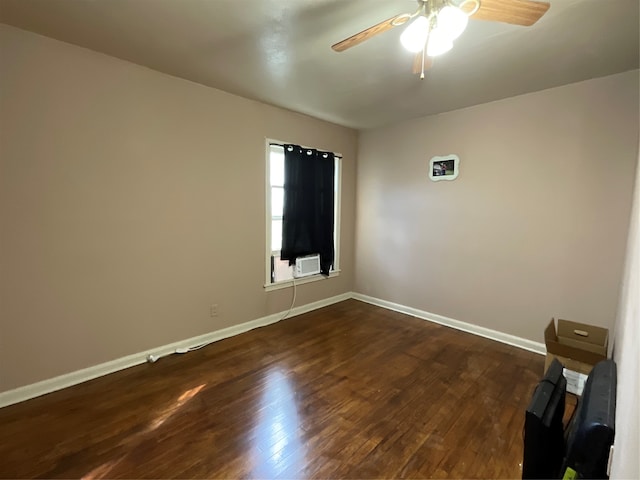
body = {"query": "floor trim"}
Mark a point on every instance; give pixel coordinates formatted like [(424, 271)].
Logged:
[(73, 378), (535, 347)]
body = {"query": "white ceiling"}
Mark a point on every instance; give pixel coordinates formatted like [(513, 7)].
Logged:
[(278, 51)]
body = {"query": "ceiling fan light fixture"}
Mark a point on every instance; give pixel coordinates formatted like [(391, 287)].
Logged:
[(415, 35), (452, 21), (439, 42)]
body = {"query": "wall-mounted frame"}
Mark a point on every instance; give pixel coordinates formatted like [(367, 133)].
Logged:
[(444, 168)]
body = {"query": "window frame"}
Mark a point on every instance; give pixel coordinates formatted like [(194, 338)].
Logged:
[(335, 270)]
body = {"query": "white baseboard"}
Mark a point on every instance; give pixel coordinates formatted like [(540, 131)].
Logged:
[(519, 342), (73, 378)]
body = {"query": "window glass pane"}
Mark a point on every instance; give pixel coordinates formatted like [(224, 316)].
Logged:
[(276, 168), (277, 199), (276, 234), (281, 269)]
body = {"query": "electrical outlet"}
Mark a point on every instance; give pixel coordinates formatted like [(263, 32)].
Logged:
[(213, 310)]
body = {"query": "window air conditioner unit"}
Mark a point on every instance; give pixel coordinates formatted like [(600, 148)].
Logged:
[(305, 266)]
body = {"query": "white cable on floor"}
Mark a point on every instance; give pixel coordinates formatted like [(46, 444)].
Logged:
[(154, 358), (292, 301)]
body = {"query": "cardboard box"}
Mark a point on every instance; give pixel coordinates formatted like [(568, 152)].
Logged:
[(577, 346)]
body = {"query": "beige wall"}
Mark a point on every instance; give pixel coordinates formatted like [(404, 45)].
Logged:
[(627, 442), (534, 227), (129, 202)]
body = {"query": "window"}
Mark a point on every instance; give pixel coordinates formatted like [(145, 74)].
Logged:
[(279, 271)]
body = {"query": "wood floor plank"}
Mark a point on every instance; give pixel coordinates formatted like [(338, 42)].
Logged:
[(347, 391)]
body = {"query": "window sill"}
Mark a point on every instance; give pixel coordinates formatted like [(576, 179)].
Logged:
[(299, 281)]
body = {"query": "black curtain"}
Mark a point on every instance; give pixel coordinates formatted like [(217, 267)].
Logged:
[(308, 212)]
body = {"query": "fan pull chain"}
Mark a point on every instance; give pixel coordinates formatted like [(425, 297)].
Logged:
[(424, 49)]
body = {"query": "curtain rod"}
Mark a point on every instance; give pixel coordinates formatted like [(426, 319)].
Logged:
[(336, 155)]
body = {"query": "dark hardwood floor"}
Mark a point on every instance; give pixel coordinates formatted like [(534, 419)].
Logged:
[(347, 391)]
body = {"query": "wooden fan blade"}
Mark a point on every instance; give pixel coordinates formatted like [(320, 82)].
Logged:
[(515, 12), (417, 63), (358, 38)]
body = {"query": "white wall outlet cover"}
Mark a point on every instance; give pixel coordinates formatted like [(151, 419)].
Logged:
[(444, 167)]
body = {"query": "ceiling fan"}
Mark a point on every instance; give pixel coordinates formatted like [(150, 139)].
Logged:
[(436, 23)]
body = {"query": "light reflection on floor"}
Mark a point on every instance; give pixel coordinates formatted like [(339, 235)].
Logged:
[(276, 437), (103, 471), (174, 407)]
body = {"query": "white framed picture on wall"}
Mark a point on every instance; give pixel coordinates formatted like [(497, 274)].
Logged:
[(444, 167)]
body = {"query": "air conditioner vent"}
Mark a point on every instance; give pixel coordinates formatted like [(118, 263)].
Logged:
[(305, 266)]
